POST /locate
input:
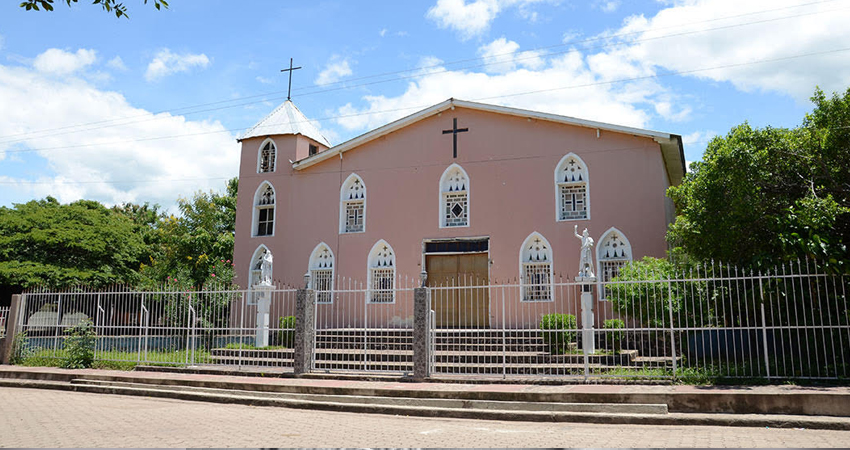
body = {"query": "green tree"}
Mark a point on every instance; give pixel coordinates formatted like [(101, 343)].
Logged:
[(47, 243), (762, 195), (188, 247), (107, 5)]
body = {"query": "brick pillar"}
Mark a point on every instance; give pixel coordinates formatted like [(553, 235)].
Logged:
[(305, 311), (421, 333), (15, 312)]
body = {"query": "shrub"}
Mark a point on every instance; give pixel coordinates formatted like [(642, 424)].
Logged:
[(615, 336), (79, 346), (20, 349), (558, 340), (286, 335)]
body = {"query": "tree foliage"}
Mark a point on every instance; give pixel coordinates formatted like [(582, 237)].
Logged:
[(46, 243), (110, 6), (762, 195)]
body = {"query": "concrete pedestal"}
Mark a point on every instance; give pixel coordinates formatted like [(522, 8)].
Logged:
[(305, 311), (264, 301), (588, 338)]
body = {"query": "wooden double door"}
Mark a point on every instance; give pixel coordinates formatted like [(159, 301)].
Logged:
[(461, 298)]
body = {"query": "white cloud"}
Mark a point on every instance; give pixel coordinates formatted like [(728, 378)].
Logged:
[(473, 18), (165, 62), (116, 63), (116, 160), (59, 62), (383, 32), (265, 80), (502, 56), (608, 6), (735, 46), (334, 70)]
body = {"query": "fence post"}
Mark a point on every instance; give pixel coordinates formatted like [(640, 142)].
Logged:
[(13, 320), (422, 330), (672, 333), (763, 327), (305, 310)]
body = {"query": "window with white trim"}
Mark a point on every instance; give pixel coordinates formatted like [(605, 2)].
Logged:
[(322, 273), (264, 211), (536, 269), (381, 273), (571, 189), (352, 205), (268, 154), (613, 252), (454, 197)]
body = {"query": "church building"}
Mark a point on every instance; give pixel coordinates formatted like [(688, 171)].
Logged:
[(459, 190)]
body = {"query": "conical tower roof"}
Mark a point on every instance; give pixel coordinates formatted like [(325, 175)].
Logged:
[(286, 119)]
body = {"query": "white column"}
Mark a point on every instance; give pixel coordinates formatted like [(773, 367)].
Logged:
[(588, 341), (264, 300)]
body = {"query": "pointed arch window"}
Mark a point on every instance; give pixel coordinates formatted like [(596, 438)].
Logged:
[(264, 201), (255, 272), (571, 185), (352, 205), (381, 284), (613, 253), (454, 197), (536, 269), (322, 273), (266, 158)]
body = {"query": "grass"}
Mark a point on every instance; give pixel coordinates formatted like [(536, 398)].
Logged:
[(115, 360)]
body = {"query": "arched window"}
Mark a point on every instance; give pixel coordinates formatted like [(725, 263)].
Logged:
[(264, 210), (255, 272), (322, 273), (613, 252), (571, 189), (454, 197), (352, 205), (535, 269), (381, 284), (266, 158)]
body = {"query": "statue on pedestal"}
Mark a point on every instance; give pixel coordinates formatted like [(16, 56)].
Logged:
[(266, 269), (586, 261)]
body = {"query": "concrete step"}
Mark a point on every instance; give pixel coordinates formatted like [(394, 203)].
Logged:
[(442, 403)]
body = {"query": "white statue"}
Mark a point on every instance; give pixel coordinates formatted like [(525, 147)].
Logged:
[(266, 269), (586, 262)]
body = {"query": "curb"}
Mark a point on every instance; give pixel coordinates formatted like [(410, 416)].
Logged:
[(736, 420)]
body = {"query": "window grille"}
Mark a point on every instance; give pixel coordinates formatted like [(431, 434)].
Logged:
[(323, 285), (456, 209), (573, 202), (537, 282), (454, 191), (571, 181), (265, 212), (382, 285), (613, 254), (354, 216), (353, 205), (267, 158)]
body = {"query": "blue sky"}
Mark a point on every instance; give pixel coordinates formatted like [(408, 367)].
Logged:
[(148, 109)]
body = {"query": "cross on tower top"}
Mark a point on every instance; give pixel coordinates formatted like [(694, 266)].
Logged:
[(290, 70), (454, 131)]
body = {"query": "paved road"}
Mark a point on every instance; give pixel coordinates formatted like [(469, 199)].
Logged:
[(44, 418)]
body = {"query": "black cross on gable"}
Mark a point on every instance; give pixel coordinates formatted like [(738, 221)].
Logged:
[(290, 70), (454, 131)]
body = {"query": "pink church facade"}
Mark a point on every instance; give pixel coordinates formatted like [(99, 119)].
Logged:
[(511, 190)]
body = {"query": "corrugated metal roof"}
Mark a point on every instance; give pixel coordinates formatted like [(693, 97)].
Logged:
[(286, 119)]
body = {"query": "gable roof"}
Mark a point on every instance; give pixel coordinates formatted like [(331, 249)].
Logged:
[(285, 119), (671, 144)]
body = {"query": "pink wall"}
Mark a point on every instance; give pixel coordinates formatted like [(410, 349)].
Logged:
[(510, 162)]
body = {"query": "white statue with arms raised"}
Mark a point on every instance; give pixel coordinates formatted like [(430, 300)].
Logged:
[(586, 261)]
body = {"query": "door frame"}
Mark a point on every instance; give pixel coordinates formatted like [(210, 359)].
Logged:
[(425, 254)]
